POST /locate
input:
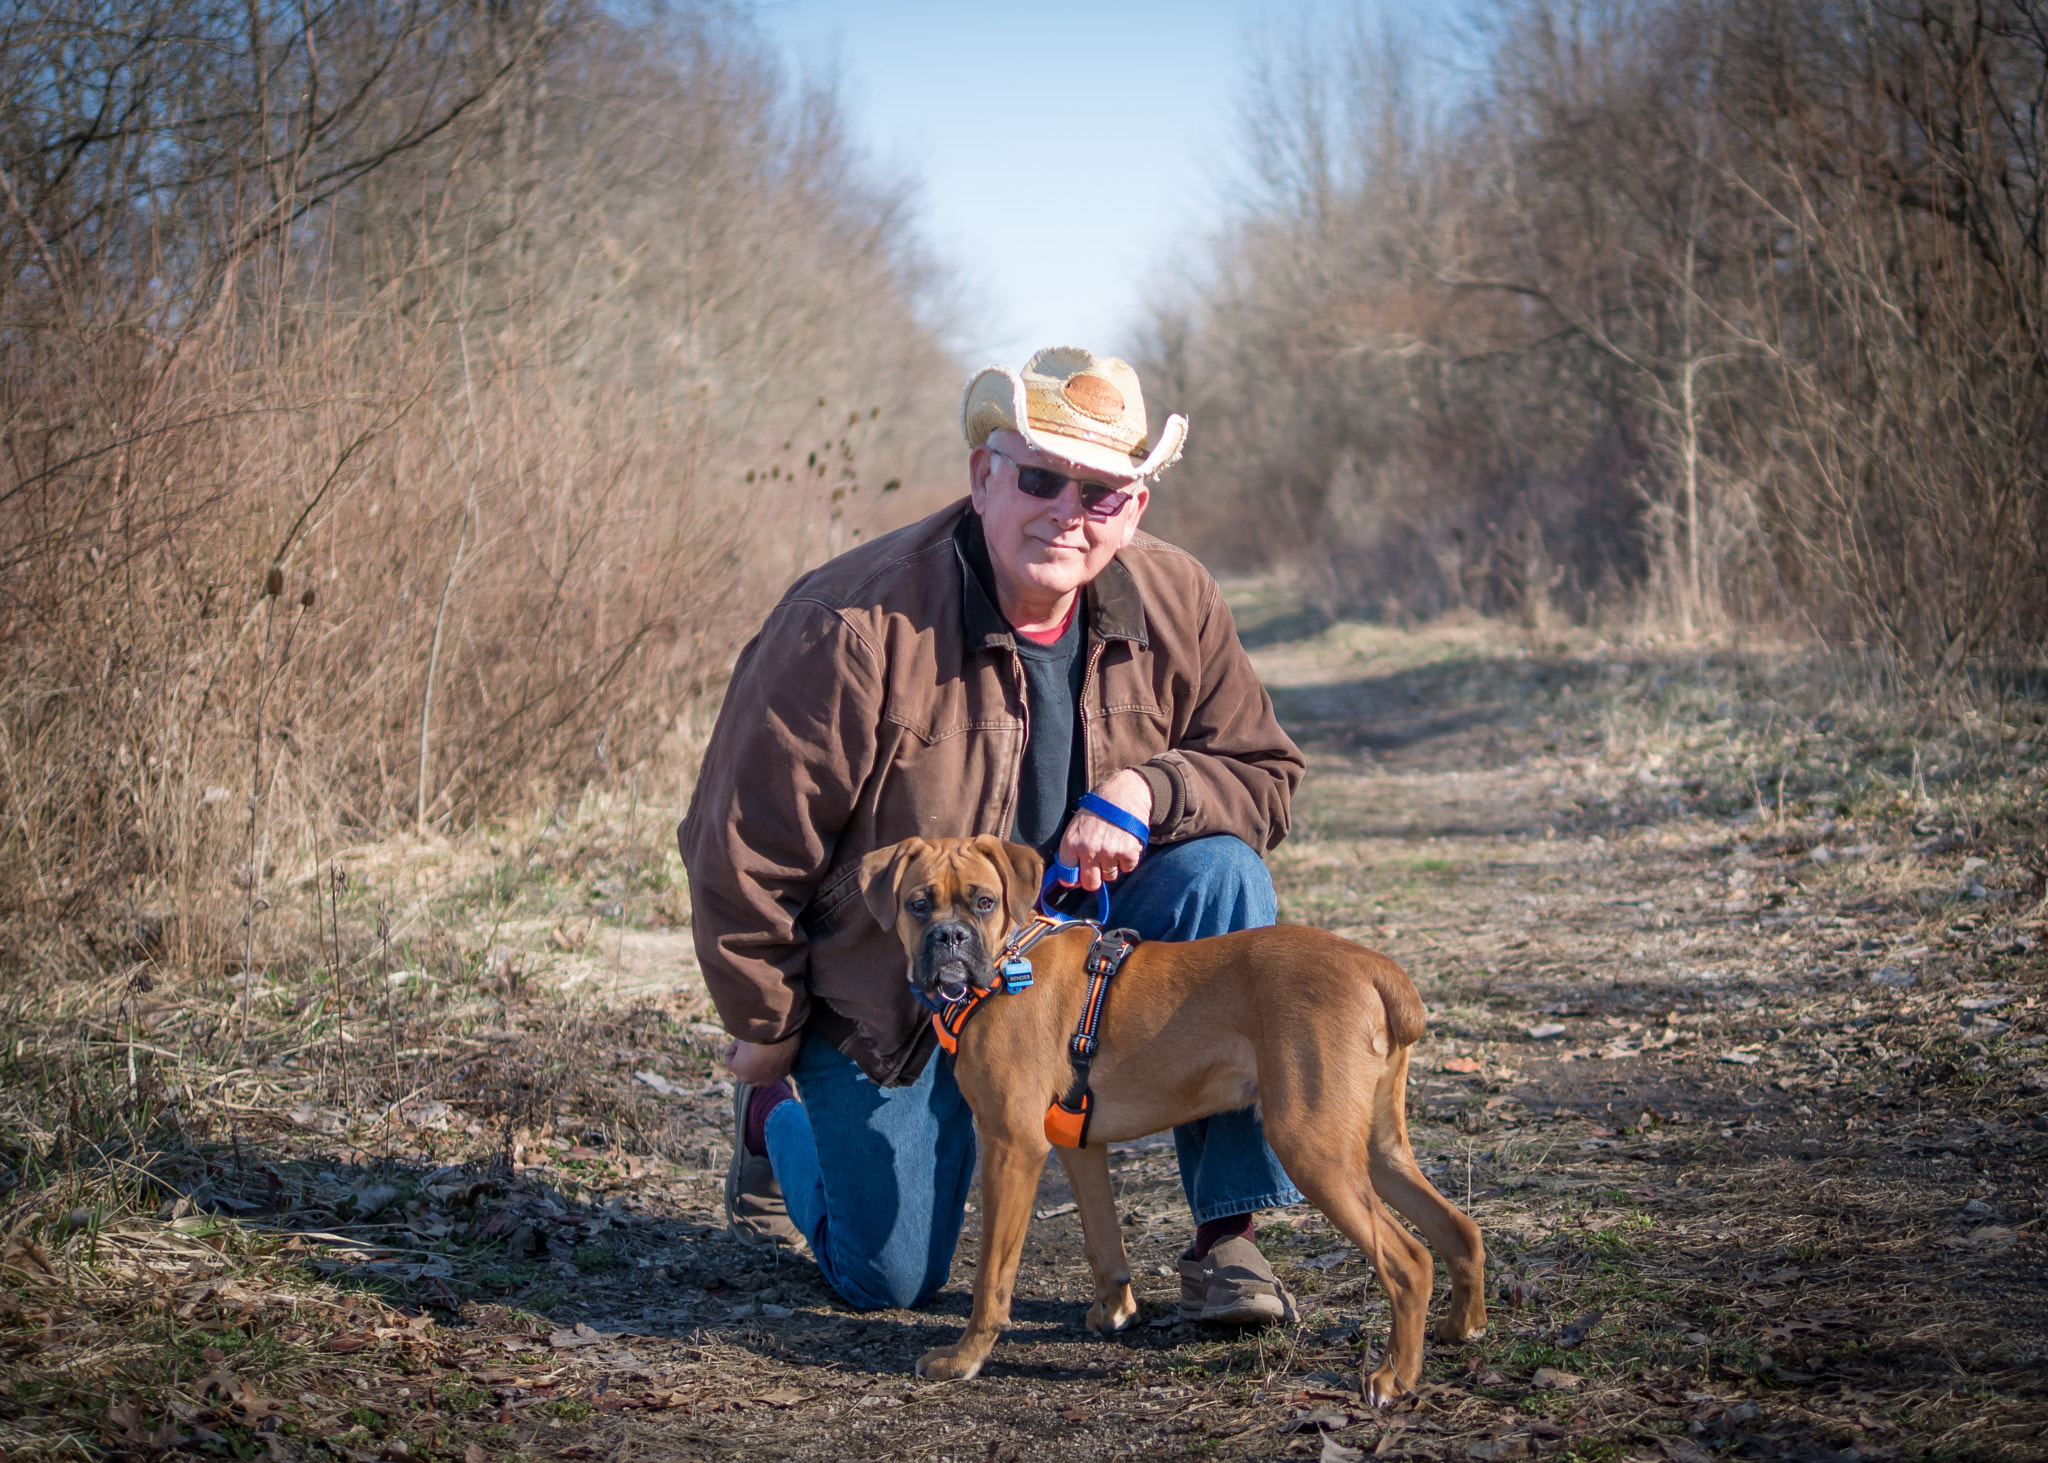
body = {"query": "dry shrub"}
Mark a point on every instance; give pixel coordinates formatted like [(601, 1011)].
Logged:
[(402, 410), (1723, 312)]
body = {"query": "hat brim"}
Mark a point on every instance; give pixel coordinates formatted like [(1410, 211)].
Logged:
[(995, 400)]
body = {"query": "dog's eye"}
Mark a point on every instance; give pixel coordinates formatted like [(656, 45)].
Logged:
[(985, 904), (920, 905)]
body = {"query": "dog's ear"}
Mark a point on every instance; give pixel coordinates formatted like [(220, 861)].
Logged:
[(881, 873), (1021, 868)]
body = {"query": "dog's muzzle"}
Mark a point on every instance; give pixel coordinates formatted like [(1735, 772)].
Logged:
[(951, 958)]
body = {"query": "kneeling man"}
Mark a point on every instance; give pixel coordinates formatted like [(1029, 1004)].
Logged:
[(977, 673)]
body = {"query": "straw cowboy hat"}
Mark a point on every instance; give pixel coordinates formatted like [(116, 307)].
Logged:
[(1072, 404)]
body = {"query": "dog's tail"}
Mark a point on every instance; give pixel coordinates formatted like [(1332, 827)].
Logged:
[(1405, 1016)]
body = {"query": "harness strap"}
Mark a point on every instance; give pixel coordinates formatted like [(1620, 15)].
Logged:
[(1067, 1119)]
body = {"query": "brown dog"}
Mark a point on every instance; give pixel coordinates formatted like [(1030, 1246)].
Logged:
[(1313, 1028)]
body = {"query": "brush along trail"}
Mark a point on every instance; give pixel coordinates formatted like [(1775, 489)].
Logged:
[(1738, 1018)]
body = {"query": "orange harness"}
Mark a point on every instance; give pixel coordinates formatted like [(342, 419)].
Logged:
[(1066, 1120), (1013, 974)]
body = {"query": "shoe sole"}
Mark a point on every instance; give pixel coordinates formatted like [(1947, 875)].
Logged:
[(1250, 1310), (742, 1094)]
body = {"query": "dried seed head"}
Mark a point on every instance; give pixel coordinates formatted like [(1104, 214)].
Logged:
[(306, 600), (273, 582)]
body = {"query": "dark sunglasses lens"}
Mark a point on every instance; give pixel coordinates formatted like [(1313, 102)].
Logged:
[(1098, 500), (1036, 482), (1102, 500)]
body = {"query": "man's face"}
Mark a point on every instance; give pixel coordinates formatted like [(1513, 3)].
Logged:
[(1046, 546)]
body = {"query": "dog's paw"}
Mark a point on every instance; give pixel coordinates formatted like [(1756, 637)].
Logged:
[(1384, 1387), (1453, 1329), (948, 1364), (1108, 1319)]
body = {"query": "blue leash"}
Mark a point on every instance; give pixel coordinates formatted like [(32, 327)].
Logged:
[(1016, 970)]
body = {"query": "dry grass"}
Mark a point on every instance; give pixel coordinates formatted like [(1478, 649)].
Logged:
[(1800, 1201), (452, 496)]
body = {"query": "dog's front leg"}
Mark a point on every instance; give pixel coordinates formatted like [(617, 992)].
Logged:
[(1088, 1176), (1010, 1167)]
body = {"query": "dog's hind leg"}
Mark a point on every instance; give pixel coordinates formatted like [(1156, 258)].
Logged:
[(1010, 1167), (1400, 1181), (1088, 1175), (1330, 1168)]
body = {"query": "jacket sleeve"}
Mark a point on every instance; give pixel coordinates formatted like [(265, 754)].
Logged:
[(1231, 769), (794, 743)]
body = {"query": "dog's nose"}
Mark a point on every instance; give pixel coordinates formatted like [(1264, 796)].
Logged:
[(951, 937)]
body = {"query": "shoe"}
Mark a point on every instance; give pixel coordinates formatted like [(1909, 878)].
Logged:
[(754, 1211), (1233, 1286)]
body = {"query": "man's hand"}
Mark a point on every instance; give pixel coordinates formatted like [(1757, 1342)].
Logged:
[(1101, 850), (763, 1066)]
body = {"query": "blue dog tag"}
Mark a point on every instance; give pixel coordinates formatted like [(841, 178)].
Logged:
[(1017, 975)]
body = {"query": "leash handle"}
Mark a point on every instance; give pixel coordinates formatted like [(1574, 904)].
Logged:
[(1115, 816), (1060, 874)]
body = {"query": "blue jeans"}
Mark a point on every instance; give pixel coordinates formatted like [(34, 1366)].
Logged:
[(877, 1177)]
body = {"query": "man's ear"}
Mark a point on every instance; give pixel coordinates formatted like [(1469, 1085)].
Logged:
[(881, 872), (1021, 868)]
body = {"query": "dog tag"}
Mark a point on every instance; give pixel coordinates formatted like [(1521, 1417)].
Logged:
[(1017, 975)]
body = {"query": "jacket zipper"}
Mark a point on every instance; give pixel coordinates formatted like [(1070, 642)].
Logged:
[(1088, 777), (1008, 820)]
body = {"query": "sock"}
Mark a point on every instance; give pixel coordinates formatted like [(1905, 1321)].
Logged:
[(1211, 1232), (763, 1101)]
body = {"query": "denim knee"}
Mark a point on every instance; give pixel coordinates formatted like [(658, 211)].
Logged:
[(1206, 886), (883, 1287), (1229, 866)]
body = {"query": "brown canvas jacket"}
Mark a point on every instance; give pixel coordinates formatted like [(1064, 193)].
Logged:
[(883, 698)]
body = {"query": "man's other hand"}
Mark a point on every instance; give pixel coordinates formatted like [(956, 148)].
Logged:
[(1101, 850), (762, 1066)]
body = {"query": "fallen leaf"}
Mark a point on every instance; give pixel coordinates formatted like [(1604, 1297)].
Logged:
[(1578, 1330), (1057, 1210), (785, 1397), (1336, 1452), (1550, 1379), (1320, 1417), (471, 1453), (581, 1335), (127, 1418), (1984, 1237), (1074, 1414), (1546, 1030), (1462, 1064), (1740, 1059), (659, 1083)]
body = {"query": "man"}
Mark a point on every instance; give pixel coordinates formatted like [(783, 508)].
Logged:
[(976, 673)]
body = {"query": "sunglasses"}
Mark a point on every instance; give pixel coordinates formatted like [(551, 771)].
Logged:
[(1099, 501)]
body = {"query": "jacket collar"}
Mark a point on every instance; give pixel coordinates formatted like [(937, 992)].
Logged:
[(1116, 611)]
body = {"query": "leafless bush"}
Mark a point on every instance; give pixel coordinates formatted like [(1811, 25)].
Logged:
[(393, 399), (1727, 309)]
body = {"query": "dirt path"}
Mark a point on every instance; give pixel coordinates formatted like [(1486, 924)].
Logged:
[(1735, 1053), (1746, 1176)]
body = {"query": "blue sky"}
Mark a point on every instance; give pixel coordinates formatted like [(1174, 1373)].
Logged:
[(1068, 153)]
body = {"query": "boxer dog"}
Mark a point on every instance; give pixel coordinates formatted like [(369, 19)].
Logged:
[(1311, 1027)]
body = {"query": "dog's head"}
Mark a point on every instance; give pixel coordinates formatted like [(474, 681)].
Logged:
[(951, 902)]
